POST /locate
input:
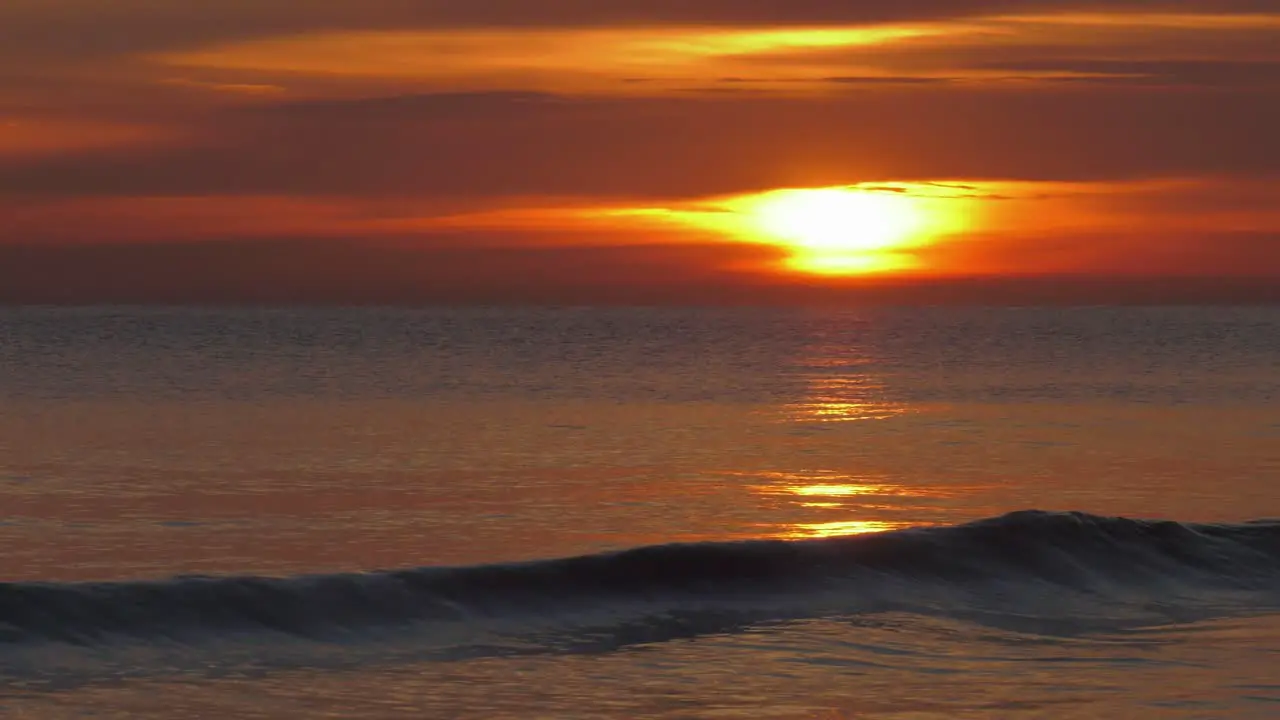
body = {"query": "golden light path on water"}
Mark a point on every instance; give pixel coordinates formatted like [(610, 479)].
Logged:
[(865, 504), (840, 528), (837, 386), (842, 399)]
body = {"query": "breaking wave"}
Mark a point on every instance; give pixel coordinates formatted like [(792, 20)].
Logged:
[(1047, 572)]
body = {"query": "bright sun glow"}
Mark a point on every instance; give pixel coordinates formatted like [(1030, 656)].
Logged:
[(837, 219), (844, 230), (839, 231)]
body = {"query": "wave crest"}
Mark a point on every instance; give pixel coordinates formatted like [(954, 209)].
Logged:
[(1030, 562)]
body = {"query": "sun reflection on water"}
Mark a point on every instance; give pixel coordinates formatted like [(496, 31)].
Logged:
[(839, 528), (840, 378), (861, 504), (846, 489), (844, 411), (839, 387)]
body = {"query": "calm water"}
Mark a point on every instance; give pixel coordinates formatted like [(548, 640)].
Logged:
[(803, 513)]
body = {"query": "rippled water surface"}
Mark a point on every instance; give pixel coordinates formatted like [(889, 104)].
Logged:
[(407, 479)]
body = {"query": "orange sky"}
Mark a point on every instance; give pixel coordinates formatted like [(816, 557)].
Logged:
[(587, 151)]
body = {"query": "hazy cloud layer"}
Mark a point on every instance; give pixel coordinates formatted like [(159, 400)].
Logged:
[(81, 28), (353, 271), (279, 124), (1176, 73), (521, 144)]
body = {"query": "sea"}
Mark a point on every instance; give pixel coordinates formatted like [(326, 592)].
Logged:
[(562, 512)]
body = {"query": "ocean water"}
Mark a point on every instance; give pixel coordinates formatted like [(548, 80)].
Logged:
[(640, 513)]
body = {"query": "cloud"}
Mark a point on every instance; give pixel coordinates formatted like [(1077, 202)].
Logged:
[(234, 88), (91, 28), (886, 80), (51, 29), (35, 136), (1187, 73), (1132, 253), (495, 144), (609, 60), (236, 119), (359, 272), (478, 104)]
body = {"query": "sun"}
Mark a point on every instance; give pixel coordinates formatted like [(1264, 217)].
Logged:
[(845, 230), (839, 230), (837, 218)]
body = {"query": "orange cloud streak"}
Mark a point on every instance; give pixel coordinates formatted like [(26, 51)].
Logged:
[(23, 136), (958, 227)]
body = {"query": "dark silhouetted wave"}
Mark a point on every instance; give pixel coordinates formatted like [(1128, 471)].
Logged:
[(1057, 567)]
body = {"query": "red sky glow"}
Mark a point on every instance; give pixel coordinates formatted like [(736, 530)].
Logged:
[(718, 151)]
